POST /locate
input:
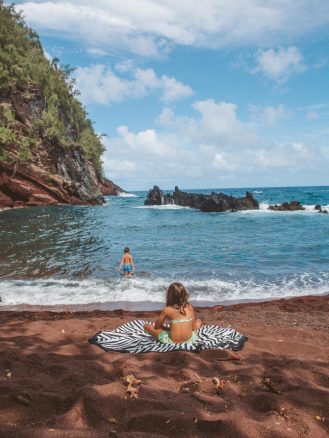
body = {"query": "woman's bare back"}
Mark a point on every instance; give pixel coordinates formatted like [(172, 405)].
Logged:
[(181, 326)]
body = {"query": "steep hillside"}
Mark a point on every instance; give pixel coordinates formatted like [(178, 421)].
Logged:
[(49, 152)]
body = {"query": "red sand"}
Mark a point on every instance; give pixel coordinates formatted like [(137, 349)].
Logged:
[(54, 384)]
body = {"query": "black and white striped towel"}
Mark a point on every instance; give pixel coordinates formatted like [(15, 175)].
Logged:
[(132, 338)]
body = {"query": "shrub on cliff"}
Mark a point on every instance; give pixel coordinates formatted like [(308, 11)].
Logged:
[(46, 89)]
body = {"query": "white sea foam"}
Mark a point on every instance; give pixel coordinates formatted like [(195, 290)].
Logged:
[(258, 191), (311, 208), (48, 292), (127, 195), (263, 208), (163, 207)]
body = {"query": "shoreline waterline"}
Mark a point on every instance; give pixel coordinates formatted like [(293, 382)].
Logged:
[(144, 306)]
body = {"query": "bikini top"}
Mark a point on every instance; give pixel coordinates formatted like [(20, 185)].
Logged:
[(176, 321)]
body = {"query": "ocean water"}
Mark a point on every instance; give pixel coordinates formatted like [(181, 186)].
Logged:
[(69, 255)]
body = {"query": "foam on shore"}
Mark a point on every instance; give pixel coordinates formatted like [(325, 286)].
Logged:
[(49, 292)]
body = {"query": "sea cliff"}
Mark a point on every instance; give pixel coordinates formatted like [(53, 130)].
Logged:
[(49, 152)]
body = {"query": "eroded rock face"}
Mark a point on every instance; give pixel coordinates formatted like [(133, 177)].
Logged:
[(28, 186), (75, 183), (55, 174), (287, 206), (109, 188), (215, 202)]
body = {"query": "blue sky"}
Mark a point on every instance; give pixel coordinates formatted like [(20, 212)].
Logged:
[(218, 94)]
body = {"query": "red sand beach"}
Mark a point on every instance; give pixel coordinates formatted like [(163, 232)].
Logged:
[(54, 384)]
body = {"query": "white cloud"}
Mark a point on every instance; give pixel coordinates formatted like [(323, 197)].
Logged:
[(95, 51), (119, 168), (212, 146), (286, 156), (223, 162), (152, 27), (279, 65), (217, 124), (99, 84), (144, 143), (125, 66), (178, 151), (174, 90), (268, 115)]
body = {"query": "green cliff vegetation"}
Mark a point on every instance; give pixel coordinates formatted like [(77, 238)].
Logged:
[(44, 93)]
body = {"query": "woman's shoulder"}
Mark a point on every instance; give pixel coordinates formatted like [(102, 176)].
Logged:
[(168, 310)]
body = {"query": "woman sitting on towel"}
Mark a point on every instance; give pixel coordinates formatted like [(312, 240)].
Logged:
[(180, 314)]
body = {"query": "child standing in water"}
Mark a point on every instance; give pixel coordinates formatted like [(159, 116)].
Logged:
[(127, 263), (181, 316)]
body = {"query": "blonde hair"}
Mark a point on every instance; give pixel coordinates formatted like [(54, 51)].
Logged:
[(177, 297)]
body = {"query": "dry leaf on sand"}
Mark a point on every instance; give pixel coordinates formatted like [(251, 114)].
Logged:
[(189, 386), (132, 383), (272, 387)]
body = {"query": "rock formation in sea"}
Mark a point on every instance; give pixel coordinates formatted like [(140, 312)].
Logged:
[(215, 202), (287, 206), (49, 152), (320, 209)]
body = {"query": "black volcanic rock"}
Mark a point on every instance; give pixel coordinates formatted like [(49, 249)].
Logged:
[(154, 197), (320, 210), (287, 206), (215, 202)]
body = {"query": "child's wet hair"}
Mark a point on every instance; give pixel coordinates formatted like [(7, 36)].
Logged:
[(177, 297), (126, 249)]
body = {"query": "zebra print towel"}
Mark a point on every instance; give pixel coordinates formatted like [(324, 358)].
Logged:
[(132, 338)]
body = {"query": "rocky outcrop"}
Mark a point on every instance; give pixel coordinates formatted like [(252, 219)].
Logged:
[(75, 183), (54, 174), (109, 188), (287, 206), (320, 209), (32, 185), (215, 202)]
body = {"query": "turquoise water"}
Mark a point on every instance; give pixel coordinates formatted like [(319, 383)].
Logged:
[(70, 254)]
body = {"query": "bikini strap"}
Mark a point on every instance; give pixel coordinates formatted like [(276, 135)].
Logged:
[(176, 321)]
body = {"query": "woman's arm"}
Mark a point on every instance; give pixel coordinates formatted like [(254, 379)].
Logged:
[(193, 318), (159, 321)]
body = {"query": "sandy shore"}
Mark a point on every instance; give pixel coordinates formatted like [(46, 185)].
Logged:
[(54, 384)]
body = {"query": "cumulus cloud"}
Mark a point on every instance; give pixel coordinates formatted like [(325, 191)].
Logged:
[(99, 84), (183, 147), (206, 149), (152, 27), (216, 124), (285, 156), (279, 65)]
